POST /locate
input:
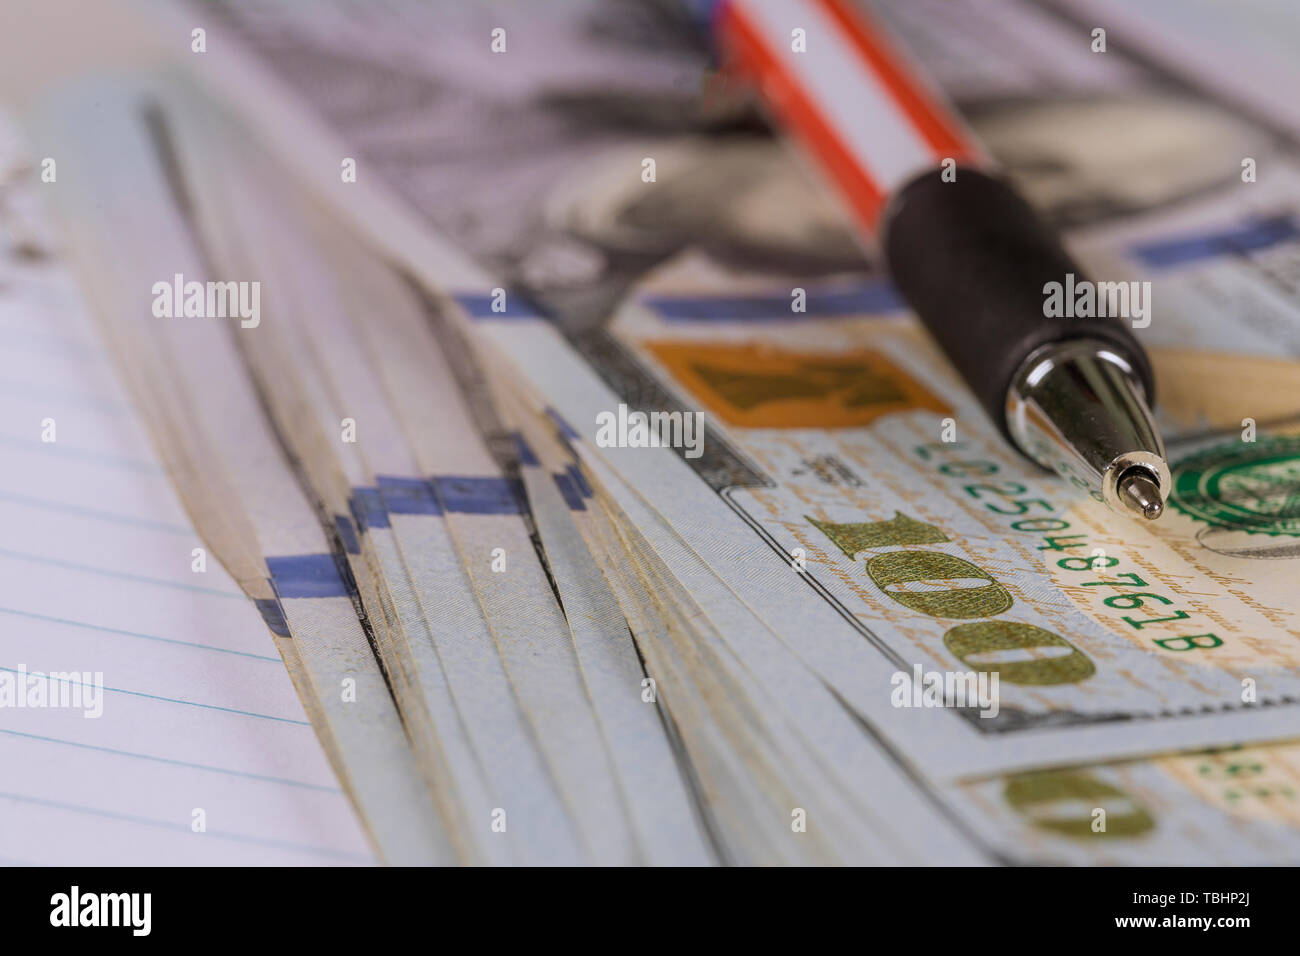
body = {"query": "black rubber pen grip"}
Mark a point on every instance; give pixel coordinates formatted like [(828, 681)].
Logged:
[(972, 258)]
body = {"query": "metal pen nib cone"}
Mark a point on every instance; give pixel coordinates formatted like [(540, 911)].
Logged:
[(1078, 408), (1142, 495)]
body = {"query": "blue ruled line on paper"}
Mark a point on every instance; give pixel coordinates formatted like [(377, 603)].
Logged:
[(147, 637), (82, 454), (173, 700), (44, 392), (408, 496), (485, 495), (185, 828), (870, 297), (264, 778), (121, 575), (44, 342), (306, 576), (97, 514)]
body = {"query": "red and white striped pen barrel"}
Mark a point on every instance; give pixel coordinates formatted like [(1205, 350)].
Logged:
[(836, 82), (966, 252)]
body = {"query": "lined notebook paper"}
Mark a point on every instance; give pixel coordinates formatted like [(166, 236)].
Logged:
[(202, 753)]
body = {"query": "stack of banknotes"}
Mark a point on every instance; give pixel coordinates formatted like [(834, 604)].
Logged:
[(632, 520)]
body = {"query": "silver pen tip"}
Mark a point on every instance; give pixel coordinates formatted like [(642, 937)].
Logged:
[(1141, 495)]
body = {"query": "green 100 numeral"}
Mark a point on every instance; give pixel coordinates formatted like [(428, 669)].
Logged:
[(1021, 653)]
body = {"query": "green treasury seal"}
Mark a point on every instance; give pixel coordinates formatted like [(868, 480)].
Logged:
[(1244, 486)]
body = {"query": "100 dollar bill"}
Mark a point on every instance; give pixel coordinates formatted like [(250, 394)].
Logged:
[(1238, 806), (828, 499), (742, 503)]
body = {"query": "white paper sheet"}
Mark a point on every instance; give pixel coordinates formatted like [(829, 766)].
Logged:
[(198, 712)]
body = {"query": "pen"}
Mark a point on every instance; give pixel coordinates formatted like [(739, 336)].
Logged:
[(966, 252)]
